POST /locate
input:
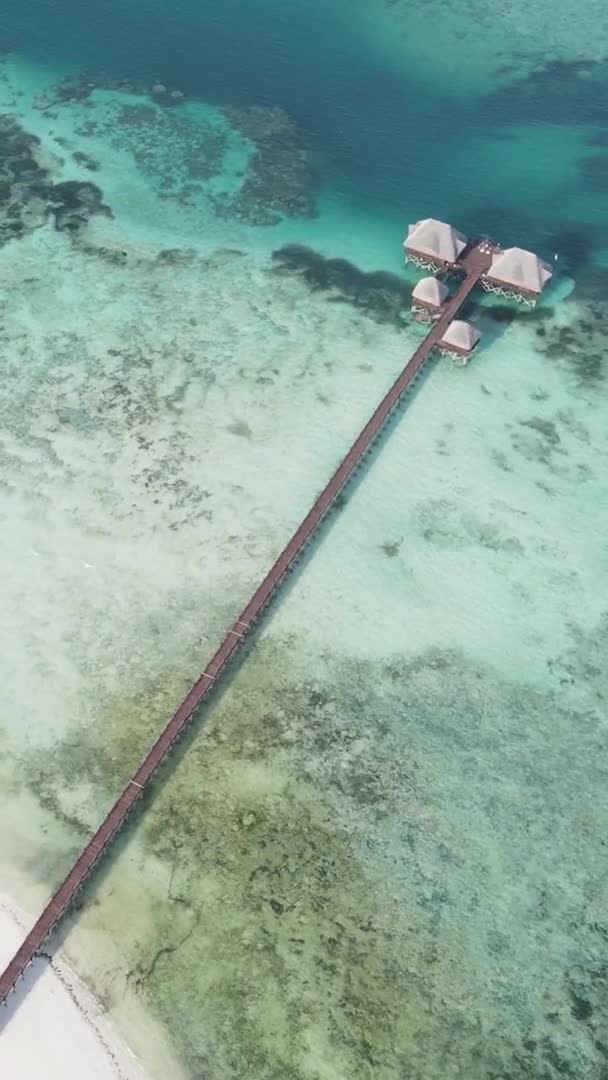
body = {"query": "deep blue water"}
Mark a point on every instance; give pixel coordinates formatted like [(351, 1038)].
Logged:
[(379, 134)]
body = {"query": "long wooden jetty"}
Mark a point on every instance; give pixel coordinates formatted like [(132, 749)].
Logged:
[(474, 262)]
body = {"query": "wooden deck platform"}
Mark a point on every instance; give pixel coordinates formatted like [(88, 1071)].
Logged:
[(475, 260)]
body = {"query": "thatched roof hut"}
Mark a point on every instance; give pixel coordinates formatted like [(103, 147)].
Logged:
[(434, 242), (430, 293), (519, 271), (460, 338)]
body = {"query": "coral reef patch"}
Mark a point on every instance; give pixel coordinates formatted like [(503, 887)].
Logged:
[(73, 202), (280, 179), (73, 89), (28, 196), (380, 295), (178, 152), (24, 186), (183, 150), (580, 346)]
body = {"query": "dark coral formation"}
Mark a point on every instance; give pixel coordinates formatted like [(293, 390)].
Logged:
[(73, 202), (85, 160), (280, 180), (579, 347), (27, 194), (380, 295), (78, 88), (24, 187)]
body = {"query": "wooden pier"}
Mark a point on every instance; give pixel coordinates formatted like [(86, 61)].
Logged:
[(474, 262)]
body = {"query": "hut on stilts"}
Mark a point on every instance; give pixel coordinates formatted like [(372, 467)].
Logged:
[(433, 245), (518, 275), (428, 298), (459, 341)]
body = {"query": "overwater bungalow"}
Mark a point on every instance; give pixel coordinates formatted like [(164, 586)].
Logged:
[(428, 297), (518, 275), (459, 341), (433, 245)]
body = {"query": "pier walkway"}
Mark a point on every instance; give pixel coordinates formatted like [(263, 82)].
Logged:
[(474, 262)]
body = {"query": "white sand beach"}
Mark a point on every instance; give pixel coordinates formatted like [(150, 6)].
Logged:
[(52, 1028)]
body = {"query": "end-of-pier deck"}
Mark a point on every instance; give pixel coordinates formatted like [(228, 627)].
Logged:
[(474, 262)]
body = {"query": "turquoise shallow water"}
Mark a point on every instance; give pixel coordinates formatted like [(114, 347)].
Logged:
[(382, 854)]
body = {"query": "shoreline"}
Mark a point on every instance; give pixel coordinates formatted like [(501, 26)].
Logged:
[(73, 1036)]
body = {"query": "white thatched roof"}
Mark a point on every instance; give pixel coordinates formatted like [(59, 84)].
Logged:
[(461, 335), (521, 269), (430, 291), (435, 239)]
